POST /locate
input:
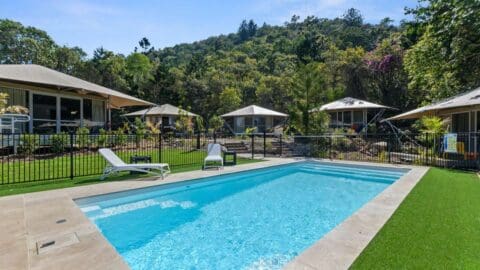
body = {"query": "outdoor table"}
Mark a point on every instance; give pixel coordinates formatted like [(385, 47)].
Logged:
[(231, 154), (142, 159)]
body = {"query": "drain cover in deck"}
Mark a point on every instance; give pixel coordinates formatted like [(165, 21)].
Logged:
[(56, 242)]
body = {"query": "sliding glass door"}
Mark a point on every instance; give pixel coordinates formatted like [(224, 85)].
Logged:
[(52, 114), (44, 114), (70, 114)]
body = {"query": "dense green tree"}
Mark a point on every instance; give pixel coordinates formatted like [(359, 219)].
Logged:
[(247, 30), (25, 45), (308, 92), (291, 68), (69, 60), (229, 100), (387, 82), (446, 59), (354, 72), (139, 73)]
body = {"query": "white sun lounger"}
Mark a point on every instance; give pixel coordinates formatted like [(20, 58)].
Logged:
[(115, 164), (214, 155)]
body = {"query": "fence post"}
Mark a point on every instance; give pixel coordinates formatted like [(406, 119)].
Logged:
[(214, 137), (389, 145), (253, 146), (330, 147), (425, 150), (198, 140), (281, 146), (160, 147), (264, 144), (71, 156)]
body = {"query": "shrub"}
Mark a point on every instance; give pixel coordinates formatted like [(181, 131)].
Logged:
[(216, 123), (140, 130), (102, 139), (59, 142), (29, 143), (382, 157), (340, 141), (83, 137), (120, 137), (431, 124)]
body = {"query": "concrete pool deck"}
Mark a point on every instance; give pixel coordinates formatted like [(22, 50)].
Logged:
[(30, 221)]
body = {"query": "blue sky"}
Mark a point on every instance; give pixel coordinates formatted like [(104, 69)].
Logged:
[(118, 25)]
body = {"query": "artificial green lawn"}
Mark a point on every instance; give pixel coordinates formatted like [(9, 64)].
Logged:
[(20, 188), (436, 227)]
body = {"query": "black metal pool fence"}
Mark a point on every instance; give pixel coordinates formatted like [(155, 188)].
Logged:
[(35, 157)]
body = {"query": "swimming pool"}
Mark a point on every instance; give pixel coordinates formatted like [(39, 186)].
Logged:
[(248, 220)]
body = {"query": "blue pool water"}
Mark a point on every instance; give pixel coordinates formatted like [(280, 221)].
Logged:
[(257, 219)]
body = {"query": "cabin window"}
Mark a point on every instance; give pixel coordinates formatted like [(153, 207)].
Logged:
[(44, 114), (248, 121), (347, 118), (478, 121), (93, 113), (460, 122), (16, 97), (358, 117), (259, 123), (333, 118), (340, 118), (70, 114), (472, 122), (98, 112), (87, 110), (165, 121)]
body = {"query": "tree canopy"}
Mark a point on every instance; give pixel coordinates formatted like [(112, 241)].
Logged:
[(291, 68)]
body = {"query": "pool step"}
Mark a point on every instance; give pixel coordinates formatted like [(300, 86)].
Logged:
[(369, 174), (353, 176), (359, 170)]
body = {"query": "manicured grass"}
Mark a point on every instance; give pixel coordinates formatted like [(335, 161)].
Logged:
[(436, 227), (20, 188), (88, 163)]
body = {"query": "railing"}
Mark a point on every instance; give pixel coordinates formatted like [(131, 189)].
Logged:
[(33, 157), (418, 149)]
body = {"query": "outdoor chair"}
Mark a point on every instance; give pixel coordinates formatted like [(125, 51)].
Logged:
[(214, 155), (116, 164)]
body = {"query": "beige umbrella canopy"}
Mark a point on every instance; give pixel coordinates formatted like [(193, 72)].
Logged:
[(36, 75)]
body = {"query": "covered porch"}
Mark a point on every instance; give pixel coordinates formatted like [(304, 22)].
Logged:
[(254, 117), (351, 113), (58, 102), (163, 116), (461, 116)]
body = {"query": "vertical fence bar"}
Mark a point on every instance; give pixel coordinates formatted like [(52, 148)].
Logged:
[(264, 144), (160, 148), (198, 140), (253, 146), (159, 142), (281, 146), (71, 156), (330, 146), (389, 145)]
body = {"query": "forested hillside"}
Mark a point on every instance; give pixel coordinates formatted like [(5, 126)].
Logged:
[(292, 68)]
